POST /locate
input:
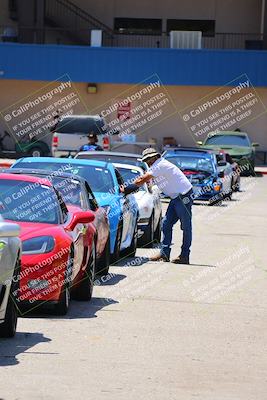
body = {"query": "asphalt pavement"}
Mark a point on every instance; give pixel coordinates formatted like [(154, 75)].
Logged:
[(160, 331)]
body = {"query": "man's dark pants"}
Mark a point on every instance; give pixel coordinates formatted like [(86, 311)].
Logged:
[(179, 209)]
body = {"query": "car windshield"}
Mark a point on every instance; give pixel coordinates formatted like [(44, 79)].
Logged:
[(113, 159), (28, 202), (70, 191), (72, 125), (99, 179), (228, 140), (129, 176), (192, 163)]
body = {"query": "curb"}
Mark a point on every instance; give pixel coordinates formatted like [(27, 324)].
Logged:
[(6, 164), (258, 170)]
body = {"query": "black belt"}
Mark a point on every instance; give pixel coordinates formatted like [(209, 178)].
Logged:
[(181, 196)]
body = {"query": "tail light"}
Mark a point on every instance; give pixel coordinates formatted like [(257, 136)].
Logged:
[(55, 141), (106, 142)]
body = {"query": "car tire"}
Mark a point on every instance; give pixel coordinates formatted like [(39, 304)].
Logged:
[(157, 234), (62, 306), (36, 152), (84, 291), (214, 202), (147, 239), (117, 249), (130, 251), (9, 326), (238, 185), (104, 260), (228, 196)]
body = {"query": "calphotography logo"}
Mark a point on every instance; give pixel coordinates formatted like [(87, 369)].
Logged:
[(231, 106), (34, 117)]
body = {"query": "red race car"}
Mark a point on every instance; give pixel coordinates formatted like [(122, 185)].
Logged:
[(58, 247), (78, 196)]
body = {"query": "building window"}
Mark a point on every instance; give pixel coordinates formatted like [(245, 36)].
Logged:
[(138, 26), (13, 9), (207, 27)]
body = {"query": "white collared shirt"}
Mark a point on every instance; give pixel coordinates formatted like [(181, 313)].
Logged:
[(169, 178)]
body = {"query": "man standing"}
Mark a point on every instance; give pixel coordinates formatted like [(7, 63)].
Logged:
[(92, 143), (173, 183)]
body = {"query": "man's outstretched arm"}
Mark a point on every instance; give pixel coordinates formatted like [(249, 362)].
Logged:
[(143, 179)]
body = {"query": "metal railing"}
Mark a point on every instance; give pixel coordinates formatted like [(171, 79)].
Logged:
[(75, 21), (232, 41), (81, 35), (67, 23)]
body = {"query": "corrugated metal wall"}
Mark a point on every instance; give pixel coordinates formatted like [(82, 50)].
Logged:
[(131, 65)]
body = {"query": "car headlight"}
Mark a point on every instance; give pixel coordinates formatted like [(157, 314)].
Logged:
[(2, 246), (38, 245)]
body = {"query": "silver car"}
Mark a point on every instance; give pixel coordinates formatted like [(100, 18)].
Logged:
[(114, 157), (10, 251)]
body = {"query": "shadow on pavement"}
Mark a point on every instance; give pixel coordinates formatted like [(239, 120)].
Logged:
[(21, 343), (77, 309), (109, 279), (202, 265), (88, 309), (131, 262)]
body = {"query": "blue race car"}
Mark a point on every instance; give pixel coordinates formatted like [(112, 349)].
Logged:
[(200, 167), (105, 182)]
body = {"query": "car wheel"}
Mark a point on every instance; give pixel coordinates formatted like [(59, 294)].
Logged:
[(148, 237), (9, 326), (36, 152), (103, 262), (116, 254), (130, 251), (237, 185), (216, 200), (228, 196), (62, 306), (157, 234), (84, 290)]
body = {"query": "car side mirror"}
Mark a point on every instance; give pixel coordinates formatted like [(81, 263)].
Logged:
[(8, 229), (199, 142), (80, 217), (255, 144), (222, 163)]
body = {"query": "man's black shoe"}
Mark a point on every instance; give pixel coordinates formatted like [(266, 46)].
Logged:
[(181, 260)]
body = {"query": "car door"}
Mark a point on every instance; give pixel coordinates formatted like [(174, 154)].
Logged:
[(154, 190), (224, 167), (100, 221), (126, 209), (79, 255)]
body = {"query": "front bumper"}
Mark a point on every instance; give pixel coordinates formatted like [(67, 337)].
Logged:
[(202, 193), (46, 269)]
